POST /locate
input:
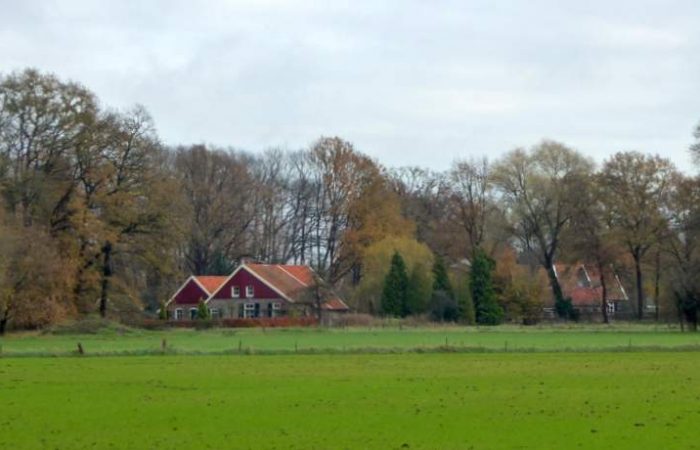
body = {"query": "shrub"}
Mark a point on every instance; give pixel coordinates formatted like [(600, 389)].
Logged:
[(356, 320), (202, 311), (163, 312), (152, 324), (443, 307), (274, 322), (88, 325), (266, 322)]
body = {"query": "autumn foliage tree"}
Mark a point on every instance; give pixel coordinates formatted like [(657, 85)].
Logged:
[(376, 263), (519, 287), (33, 282), (100, 217)]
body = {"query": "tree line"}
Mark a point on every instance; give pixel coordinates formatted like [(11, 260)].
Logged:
[(98, 215)]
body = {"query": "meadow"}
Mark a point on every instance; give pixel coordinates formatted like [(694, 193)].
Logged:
[(442, 387), (128, 341), (346, 401)]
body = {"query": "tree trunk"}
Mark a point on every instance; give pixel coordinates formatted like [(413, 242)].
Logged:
[(679, 309), (554, 281), (604, 288), (106, 274), (356, 274), (4, 319), (657, 282), (640, 290), (690, 311)]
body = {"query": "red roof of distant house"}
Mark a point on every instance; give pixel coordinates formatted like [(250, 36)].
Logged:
[(585, 296), (210, 283), (335, 304), (582, 284), (292, 282)]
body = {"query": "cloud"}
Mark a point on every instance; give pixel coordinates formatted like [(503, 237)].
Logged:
[(409, 82)]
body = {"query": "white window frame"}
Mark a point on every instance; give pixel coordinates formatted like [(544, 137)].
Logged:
[(179, 314), (193, 316), (235, 292), (276, 306), (249, 291), (248, 310), (611, 308), (214, 313)]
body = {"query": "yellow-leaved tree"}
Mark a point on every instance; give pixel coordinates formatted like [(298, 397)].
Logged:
[(375, 265)]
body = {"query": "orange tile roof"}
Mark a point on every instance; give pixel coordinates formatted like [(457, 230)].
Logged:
[(210, 283), (301, 273), (289, 280)]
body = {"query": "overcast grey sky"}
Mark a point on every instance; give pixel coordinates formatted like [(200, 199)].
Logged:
[(408, 82)]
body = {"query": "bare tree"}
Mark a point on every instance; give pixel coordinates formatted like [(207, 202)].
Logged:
[(219, 192), (424, 197), (695, 147), (540, 189), (591, 238), (470, 196), (682, 244), (637, 187)]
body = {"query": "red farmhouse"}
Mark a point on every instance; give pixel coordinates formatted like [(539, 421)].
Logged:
[(252, 291)]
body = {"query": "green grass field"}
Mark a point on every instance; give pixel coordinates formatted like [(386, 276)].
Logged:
[(556, 387), (218, 341), (430, 401)]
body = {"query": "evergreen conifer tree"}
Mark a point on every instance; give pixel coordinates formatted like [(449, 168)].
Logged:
[(488, 311), (443, 305), (416, 295), (395, 293), (441, 279)]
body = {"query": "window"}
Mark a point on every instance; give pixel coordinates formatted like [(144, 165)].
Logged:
[(274, 309), (249, 292), (611, 308), (235, 292), (193, 313), (249, 310), (178, 314), (214, 313)]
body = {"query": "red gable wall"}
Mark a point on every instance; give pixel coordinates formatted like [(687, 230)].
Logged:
[(190, 294), (242, 279)]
